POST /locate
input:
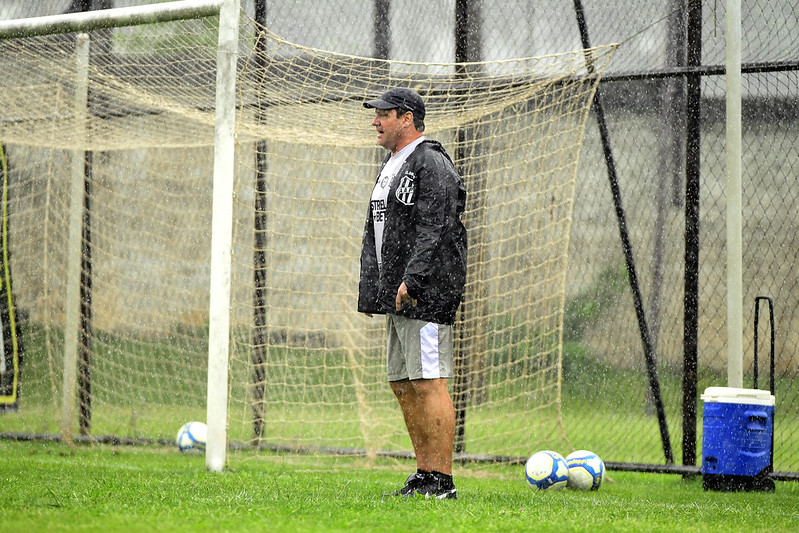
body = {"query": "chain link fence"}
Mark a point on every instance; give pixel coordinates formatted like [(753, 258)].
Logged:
[(605, 379)]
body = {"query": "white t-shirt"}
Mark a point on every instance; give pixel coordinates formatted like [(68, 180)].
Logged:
[(380, 194)]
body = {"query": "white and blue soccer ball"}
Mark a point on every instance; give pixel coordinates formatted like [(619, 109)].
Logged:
[(586, 470), (192, 436), (546, 470)]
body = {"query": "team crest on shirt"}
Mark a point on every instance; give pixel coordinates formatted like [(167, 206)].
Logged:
[(406, 188)]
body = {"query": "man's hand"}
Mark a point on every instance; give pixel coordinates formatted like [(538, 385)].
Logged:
[(403, 297)]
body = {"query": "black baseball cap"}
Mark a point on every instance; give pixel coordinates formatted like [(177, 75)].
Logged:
[(399, 97)]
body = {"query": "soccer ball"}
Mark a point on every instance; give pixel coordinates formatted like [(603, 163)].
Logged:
[(546, 470), (192, 436), (586, 470)]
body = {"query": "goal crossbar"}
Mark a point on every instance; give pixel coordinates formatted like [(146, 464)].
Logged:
[(109, 18)]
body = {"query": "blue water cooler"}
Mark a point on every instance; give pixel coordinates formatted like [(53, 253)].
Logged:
[(737, 439)]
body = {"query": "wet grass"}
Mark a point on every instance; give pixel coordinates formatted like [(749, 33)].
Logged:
[(50, 487)]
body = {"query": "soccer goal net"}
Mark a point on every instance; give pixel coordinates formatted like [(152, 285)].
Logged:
[(133, 121)]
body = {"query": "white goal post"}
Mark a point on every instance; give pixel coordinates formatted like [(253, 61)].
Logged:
[(732, 21), (222, 236), (221, 239)]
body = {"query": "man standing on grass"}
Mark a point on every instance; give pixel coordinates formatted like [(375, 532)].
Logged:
[(413, 271)]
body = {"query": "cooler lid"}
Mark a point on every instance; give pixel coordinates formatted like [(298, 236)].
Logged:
[(735, 395)]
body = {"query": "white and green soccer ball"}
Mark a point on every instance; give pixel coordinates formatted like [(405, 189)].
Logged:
[(546, 470), (586, 470), (192, 436)]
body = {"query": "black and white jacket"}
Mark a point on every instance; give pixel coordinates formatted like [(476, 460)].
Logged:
[(424, 240)]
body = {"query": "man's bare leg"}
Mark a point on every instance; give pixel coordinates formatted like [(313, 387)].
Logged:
[(430, 419)]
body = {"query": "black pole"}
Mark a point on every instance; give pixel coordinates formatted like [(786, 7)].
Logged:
[(86, 278), (651, 365), (13, 350), (470, 364), (756, 368), (382, 39), (460, 382), (260, 333), (770, 468), (692, 174), (84, 348)]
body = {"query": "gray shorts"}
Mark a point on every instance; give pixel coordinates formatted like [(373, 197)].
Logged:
[(416, 349)]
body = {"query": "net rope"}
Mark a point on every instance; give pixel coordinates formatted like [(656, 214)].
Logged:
[(306, 370)]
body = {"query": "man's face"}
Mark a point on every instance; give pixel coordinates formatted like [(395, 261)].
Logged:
[(389, 127)]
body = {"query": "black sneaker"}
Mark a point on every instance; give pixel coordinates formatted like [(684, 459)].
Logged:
[(443, 488), (444, 494), (423, 484)]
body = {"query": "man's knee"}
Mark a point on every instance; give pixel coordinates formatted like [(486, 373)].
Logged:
[(418, 388), (401, 388), (425, 388)]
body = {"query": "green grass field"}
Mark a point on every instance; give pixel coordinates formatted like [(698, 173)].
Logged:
[(50, 487)]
